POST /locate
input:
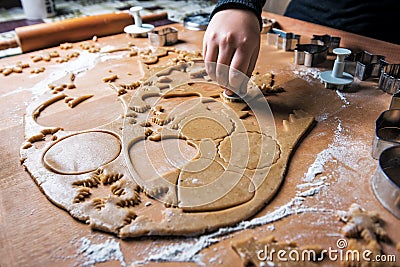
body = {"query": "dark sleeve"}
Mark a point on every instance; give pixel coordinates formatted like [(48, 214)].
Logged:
[(374, 18), (252, 5)]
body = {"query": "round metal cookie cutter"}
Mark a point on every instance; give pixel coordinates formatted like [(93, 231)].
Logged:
[(386, 181), (387, 131)]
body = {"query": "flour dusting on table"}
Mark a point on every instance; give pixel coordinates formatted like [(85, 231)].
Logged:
[(343, 98), (306, 73), (100, 252), (189, 249)]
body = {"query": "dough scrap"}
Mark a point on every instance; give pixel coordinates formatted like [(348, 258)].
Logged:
[(364, 232), (17, 68), (362, 224), (77, 100), (102, 188), (66, 46), (265, 82)]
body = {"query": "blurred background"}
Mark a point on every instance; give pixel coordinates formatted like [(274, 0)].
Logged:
[(12, 14)]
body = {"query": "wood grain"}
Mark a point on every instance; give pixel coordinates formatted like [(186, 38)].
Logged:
[(34, 232), (349, 40)]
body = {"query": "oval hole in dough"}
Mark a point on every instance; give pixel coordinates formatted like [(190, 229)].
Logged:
[(82, 152)]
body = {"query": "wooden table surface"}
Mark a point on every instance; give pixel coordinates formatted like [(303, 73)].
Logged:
[(336, 153)]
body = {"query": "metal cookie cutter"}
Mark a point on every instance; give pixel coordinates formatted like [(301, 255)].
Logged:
[(387, 131), (337, 78), (331, 42), (267, 24), (364, 65), (310, 55), (386, 180), (286, 41), (389, 80), (231, 98), (162, 37), (395, 104)]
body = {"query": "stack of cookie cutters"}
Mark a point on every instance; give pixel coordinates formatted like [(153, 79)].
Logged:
[(386, 149), (387, 131), (364, 65), (163, 37), (395, 104), (331, 42), (386, 181), (389, 80), (310, 55), (285, 41)]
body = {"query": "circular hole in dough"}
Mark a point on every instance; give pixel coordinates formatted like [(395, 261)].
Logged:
[(82, 152)]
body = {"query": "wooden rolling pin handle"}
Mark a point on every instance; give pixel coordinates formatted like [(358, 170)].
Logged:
[(44, 35)]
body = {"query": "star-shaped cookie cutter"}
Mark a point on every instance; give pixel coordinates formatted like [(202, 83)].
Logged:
[(389, 80), (364, 65), (331, 42)]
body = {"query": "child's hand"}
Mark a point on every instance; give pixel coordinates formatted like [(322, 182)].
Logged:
[(232, 38)]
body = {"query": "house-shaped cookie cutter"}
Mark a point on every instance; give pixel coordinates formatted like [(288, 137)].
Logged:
[(310, 55), (364, 65), (163, 37), (331, 42), (386, 180), (286, 41), (389, 80)]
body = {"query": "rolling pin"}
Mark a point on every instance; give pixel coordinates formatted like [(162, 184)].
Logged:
[(44, 35)]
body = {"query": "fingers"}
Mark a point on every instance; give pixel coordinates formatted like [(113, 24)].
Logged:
[(229, 66), (233, 68), (210, 54), (222, 68), (229, 92), (226, 50), (238, 73), (253, 61)]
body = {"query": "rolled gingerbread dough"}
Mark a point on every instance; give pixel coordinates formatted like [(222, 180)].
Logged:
[(178, 160)]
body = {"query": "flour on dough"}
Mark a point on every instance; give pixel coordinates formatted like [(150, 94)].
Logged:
[(175, 145)]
